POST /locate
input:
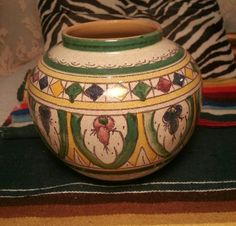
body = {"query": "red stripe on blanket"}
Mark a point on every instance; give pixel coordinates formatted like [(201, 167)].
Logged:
[(66, 210), (204, 122)]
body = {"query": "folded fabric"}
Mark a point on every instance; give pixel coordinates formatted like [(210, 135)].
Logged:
[(218, 103)]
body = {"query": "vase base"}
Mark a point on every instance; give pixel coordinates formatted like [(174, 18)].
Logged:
[(122, 175)]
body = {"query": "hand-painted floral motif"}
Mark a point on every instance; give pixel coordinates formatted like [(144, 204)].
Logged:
[(171, 124), (103, 126), (45, 117), (104, 136), (107, 141), (48, 125)]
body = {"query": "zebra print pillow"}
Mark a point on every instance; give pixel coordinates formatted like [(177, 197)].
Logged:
[(196, 25)]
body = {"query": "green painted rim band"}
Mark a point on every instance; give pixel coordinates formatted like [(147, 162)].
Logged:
[(110, 45), (114, 71)]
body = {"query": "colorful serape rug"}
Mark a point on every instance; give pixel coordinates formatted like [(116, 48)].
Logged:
[(197, 188), (218, 103)]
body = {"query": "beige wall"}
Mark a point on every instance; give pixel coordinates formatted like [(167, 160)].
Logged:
[(228, 10)]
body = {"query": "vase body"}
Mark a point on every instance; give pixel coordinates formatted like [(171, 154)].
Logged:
[(115, 100)]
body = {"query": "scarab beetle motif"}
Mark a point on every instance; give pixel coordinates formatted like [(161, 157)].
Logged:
[(171, 118)]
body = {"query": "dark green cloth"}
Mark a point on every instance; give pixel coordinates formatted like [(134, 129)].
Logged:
[(20, 132), (207, 163)]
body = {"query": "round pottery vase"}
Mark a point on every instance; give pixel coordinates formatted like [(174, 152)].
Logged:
[(115, 100)]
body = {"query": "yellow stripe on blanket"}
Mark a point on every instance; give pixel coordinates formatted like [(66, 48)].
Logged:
[(190, 219), (219, 82)]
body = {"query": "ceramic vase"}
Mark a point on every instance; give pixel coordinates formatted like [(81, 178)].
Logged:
[(115, 100)]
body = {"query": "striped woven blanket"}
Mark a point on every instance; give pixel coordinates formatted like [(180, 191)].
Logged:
[(218, 103)]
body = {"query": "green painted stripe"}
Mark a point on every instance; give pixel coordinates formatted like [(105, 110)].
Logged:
[(114, 71), (97, 45)]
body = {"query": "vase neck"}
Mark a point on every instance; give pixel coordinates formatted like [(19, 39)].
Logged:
[(112, 39)]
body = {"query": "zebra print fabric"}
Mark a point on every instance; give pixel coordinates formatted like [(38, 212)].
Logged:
[(196, 25)]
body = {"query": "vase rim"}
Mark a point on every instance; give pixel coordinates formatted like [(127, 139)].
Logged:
[(119, 34), (118, 29)]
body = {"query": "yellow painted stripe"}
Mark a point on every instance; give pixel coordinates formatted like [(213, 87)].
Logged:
[(142, 143), (190, 219), (113, 106), (72, 147), (115, 78), (219, 83)]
